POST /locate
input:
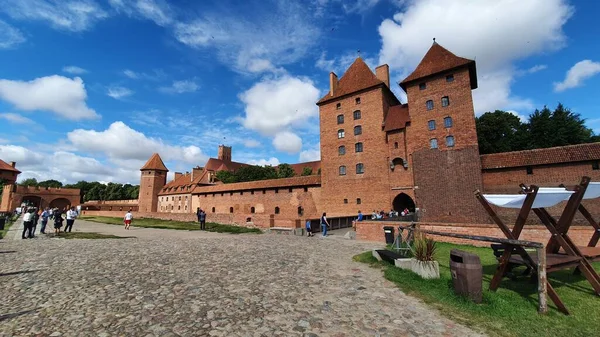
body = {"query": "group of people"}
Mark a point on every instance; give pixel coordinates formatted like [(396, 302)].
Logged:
[(201, 214), (32, 216), (374, 216), (324, 226), (391, 214)]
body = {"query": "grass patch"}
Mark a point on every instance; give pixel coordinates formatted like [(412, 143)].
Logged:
[(83, 235), (10, 221), (512, 309), (172, 224)]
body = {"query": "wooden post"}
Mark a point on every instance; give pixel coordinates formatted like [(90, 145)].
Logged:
[(542, 281)]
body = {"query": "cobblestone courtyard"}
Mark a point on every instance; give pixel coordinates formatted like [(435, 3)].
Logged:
[(175, 283)]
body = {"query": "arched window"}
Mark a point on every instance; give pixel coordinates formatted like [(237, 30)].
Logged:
[(433, 143), (230, 209), (300, 211), (395, 145), (445, 101), (431, 125), (358, 201), (340, 119), (357, 114), (429, 105), (341, 133), (277, 210), (358, 147), (357, 130), (448, 122), (342, 170), (360, 168), (252, 210), (450, 141), (213, 209), (342, 150)]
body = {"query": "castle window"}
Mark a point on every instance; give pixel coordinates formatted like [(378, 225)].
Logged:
[(357, 100), (185, 207), (340, 119), (276, 190), (341, 133), (252, 192), (306, 189), (450, 78), (429, 105), (230, 193), (360, 168), (450, 141), (222, 193), (358, 201), (529, 170), (276, 210), (264, 191), (179, 208), (445, 101), (252, 210), (433, 143), (241, 193), (213, 209), (431, 125), (345, 201), (342, 150), (291, 190), (358, 147), (300, 211), (172, 198), (342, 170), (358, 130), (338, 106), (230, 209), (422, 86), (448, 122), (596, 165), (357, 114), (395, 145)]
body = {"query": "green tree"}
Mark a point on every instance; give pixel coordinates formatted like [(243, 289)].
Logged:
[(307, 171), (50, 183), (2, 183), (29, 182), (226, 177), (500, 131), (557, 128), (285, 171)]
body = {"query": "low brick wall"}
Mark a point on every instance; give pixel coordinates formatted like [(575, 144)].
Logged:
[(373, 231)]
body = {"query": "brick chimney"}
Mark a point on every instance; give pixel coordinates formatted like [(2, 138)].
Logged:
[(383, 74), (333, 83), (13, 164), (177, 175)]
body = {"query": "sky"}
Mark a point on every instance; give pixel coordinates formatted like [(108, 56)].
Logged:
[(89, 89)]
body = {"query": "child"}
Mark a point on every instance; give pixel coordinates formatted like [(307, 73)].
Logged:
[(308, 228), (127, 219)]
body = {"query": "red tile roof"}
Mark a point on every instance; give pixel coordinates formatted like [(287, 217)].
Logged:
[(439, 59), (214, 164), (155, 163), (397, 117), (183, 184), (4, 166), (357, 77), (552, 155), (314, 180), (314, 165)]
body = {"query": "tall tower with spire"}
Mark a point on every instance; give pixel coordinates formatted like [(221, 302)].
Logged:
[(153, 179)]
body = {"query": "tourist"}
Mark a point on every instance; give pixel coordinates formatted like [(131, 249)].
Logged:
[(58, 220), (360, 216), (27, 224), (202, 219), (127, 219), (45, 215), (36, 219), (373, 215), (71, 215), (324, 224), (308, 228)]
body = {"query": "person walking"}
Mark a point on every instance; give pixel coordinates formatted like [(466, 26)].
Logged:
[(127, 219), (45, 215), (71, 215), (27, 224), (308, 228), (58, 220), (324, 224), (202, 219), (36, 219)]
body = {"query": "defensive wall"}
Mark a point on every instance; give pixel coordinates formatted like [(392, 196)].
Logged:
[(13, 195)]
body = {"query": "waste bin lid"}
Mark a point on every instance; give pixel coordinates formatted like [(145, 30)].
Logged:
[(388, 228), (466, 257)]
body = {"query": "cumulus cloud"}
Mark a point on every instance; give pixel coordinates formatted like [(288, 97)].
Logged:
[(10, 36), (536, 68), (264, 162), (180, 87), (71, 15), (155, 10), (119, 92), (310, 155), (470, 29), (16, 118), (251, 143), (74, 70), (341, 63), (62, 95), (287, 141), (578, 73), (273, 105)]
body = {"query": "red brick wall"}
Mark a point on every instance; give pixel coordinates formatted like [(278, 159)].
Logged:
[(13, 195), (151, 183)]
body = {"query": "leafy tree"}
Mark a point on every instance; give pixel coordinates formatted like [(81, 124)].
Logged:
[(29, 182), (226, 177), (319, 171), (2, 183), (557, 128), (307, 171), (500, 131), (50, 183), (285, 171)]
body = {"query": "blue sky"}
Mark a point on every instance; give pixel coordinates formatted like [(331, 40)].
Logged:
[(89, 89)]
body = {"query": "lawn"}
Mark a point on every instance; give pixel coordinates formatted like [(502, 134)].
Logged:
[(512, 309), (171, 224)]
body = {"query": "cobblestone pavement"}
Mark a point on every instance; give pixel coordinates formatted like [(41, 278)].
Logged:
[(169, 284)]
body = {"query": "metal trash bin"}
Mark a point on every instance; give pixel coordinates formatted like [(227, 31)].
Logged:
[(467, 274), (389, 234)]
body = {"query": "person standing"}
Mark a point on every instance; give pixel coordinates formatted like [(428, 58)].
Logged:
[(202, 219), (71, 215), (27, 224), (127, 219), (324, 224), (36, 219), (45, 215), (308, 228), (198, 211), (58, 220)]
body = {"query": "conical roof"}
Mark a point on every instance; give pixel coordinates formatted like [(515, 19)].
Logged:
[(155, 163), (357, 77), (439, 59)]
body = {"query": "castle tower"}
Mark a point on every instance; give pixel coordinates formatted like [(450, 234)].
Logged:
[(9, 173), (153, 178), (442, 138), (224, 153)]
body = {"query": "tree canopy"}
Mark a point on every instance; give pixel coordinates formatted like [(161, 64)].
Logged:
[(254, 173), (93, 190), (502, 131), (307, 171)]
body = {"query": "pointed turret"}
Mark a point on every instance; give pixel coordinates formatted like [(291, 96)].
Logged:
[(155, 163), (154, 177), (357, 77)]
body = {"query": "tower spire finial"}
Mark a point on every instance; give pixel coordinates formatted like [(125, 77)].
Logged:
[(358, 52)]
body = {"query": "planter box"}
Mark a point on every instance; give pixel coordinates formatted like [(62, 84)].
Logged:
[(426, 269), (405, 263)]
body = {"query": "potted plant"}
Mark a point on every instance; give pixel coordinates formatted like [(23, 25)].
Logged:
[(424, 264)]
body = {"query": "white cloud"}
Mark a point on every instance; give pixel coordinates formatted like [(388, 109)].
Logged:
[(359, 6), (155, 75), (155, 10), (131, 74), (310, 155), (180, 87), (16, 118), (264, 162), (251, 143), (273, 105), (119, 92), (340, 64), (536, 68), (74, 70), (111, 142), (64, 96), (578, 73), (71, 15), (287, 141), (10, 36), (522, 118), (470, 29)]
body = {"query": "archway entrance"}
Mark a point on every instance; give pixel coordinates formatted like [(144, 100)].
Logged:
[(60, 203), (402, 201), (32, 201)]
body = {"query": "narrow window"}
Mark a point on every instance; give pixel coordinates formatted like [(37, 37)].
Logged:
[(276, 210), (341, 133), (358, 201), (358, 130), (222, 193), (213, 209), (179, 208), (596, 165), (357, 114), (429, 105), (422, 86), (252, 210), (338, 106), (357, 100), (230, 193), (445, 101), (276, 190), (360, 168), (345, 201), (252, 192), (450, 141), (358, 147), (340, 119), (264, 191), (306, 189), (529, 170), (342, 170), (448, 122), (300, 211), (431, 125), (395, 145), (291, 190), (433, 143), (450, 78), (230, 209), (342, 150), (241, 193)]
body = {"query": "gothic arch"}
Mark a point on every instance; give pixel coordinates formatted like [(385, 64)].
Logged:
[(60, 203), (402, 201)]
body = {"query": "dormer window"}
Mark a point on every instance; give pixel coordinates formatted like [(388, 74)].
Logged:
[(422, 86)]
